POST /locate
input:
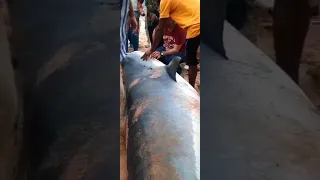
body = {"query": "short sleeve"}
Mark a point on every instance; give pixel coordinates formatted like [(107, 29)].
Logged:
[(164, 9)]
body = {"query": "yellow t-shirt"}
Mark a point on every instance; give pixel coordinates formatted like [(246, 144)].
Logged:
[(186, 13)]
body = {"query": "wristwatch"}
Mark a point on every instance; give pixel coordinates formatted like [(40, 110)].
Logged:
[(161, 54)]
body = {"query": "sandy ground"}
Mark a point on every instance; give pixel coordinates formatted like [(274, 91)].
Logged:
[(259, 31), (143, 45), (123, 134)]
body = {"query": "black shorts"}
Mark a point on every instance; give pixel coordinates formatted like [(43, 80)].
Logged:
[(191, 53)]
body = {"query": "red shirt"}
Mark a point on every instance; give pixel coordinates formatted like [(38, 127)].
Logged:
[(175, 37)]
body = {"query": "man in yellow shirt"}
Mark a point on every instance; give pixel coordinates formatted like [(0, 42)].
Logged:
[(186, 14)]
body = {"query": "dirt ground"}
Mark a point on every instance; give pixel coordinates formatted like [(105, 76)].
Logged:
[(259, 31), (123, 133)]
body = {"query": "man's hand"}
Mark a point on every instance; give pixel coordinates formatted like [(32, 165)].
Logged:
[(146, 55), (155, 55)]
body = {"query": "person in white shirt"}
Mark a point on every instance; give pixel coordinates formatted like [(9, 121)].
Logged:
[(133, 37)]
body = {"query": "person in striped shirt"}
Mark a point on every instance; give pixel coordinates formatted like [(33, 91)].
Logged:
[(127, 18)]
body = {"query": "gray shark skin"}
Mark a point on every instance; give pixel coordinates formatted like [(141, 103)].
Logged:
[(163, 121)]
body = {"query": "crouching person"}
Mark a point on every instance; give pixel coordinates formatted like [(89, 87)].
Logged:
[(174, 40)]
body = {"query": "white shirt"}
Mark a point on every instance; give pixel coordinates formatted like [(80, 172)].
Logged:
[(135, 5)]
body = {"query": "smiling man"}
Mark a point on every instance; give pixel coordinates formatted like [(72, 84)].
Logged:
[(186, 14)]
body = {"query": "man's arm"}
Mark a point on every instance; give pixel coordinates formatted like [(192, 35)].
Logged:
[(172, 51), (180, 40), (158, 33), (131, 11), (132, 19), (140, 7), (164, 17)]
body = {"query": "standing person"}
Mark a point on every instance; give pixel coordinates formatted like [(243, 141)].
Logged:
[(186, 13), (174, 44), (237, 12), (133, 37), (152, 16), (126, 18), (290, 26)]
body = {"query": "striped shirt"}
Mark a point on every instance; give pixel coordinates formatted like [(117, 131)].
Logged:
[(124, 5)]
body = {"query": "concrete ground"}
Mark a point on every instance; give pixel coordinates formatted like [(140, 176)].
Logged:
[(260, 27)]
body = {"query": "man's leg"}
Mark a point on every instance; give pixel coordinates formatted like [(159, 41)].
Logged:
[(213, 28), (291, 24), (191, 59), (135, 36), (237, 13)]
